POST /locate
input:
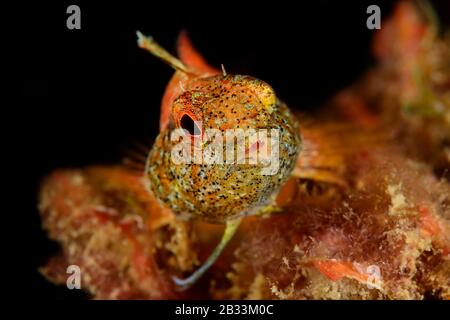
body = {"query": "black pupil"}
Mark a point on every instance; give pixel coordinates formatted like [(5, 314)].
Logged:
[(188, 124)]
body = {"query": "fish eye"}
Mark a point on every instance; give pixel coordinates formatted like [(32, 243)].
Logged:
[(187, 123)]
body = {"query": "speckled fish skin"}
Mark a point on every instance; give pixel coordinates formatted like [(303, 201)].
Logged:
[(219, 192)]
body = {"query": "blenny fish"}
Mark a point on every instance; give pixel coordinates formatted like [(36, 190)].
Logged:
[(198, 98)]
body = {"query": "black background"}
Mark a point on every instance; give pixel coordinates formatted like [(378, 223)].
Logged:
[(86, 92)]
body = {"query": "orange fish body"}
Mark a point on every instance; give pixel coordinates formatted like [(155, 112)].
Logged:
[(206, 99)]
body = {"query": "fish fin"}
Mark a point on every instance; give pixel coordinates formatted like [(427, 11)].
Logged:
[(230, 230), (135, 156), (328, 147), (191, 57)]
